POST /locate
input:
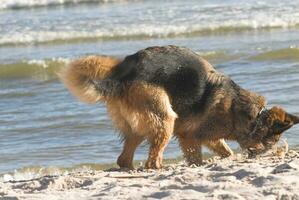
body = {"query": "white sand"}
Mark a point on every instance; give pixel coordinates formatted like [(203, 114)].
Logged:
[(267, 177)]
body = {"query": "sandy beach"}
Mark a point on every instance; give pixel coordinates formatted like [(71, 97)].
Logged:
[(266, 177)]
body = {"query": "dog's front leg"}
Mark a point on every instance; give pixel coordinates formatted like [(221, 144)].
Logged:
[(191, 148), (219, 147)]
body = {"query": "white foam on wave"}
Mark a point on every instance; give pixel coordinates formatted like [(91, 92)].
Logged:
[(146, 30), (14, 4), (46, 63), (144, 21), (46, 36)]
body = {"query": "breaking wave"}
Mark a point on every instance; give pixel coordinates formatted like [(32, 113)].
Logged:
[(48, 68), (291, 53), (137, 32), (20, 4), (36, 69)]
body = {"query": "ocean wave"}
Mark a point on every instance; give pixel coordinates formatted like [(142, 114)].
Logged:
[(48, 68), (291, 53), (19, 4), (139, 20), (138, 32), (35, 69)]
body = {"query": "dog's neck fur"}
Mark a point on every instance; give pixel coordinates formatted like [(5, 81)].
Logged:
[(259, 120), (248, 109)]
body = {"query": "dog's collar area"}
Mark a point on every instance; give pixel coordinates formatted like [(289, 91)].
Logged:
[(261, 114), (257, 124), (259, 120), (261, 111)]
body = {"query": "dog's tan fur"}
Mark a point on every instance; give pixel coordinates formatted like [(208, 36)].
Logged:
[(144, 111), (75, 76)]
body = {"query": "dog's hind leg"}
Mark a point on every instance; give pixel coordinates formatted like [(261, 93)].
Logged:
[(150, 115), (219, 147), (131, 142), (160, 125), (158, 142), (191, 148)]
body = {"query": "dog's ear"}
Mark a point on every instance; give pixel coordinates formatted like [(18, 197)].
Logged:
[(280, 120), (293, 118), (279, 127)]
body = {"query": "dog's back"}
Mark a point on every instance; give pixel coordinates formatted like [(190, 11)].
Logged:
[(187, 78)]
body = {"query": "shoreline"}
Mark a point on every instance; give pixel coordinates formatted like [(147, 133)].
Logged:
[(271, 176), (39, 171)]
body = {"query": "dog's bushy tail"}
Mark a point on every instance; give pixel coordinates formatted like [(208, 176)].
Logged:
[(86, 78)]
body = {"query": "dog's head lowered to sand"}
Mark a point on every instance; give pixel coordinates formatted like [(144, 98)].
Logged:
[(268, 128)]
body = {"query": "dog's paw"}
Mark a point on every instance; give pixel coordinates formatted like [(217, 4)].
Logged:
[(226, 154), (194, 163), (153, 164), (124, 163)]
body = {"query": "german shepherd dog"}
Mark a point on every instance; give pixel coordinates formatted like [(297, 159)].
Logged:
[(163, 91)]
